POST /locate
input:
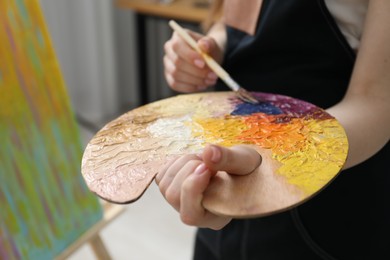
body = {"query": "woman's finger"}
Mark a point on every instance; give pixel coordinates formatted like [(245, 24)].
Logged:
[(240, 159), (183, 74), (173, 174), (192, 211), (173, 192)]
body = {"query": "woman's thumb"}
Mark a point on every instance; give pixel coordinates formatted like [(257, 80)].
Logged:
[(239, 160)]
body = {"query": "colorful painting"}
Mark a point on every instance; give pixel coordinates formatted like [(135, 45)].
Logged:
[(304, 146), (44, 203)]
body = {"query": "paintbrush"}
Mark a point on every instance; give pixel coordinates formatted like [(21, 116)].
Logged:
[(242, 93)]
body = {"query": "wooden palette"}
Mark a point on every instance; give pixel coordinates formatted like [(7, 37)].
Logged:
[(302, 146)]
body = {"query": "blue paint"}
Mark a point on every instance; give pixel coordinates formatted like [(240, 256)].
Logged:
[(262, 107), (40, 39), (23, 11), (34, 58)]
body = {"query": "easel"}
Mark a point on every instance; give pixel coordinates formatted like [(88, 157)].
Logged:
[(92, 236)]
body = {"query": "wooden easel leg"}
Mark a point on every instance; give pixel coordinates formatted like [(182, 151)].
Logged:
[(92, 237), (99, 249)]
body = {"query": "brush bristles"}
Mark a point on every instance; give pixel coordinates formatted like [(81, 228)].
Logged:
[(246, 96)]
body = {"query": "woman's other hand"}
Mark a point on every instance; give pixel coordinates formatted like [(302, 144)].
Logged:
[(184, 180), (184, 68)]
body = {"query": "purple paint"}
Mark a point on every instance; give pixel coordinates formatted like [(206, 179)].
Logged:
[(293, 107)]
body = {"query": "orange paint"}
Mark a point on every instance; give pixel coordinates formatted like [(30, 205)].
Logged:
[(301, 144)]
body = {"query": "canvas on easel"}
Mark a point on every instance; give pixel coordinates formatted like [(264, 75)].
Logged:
[(44, 204)]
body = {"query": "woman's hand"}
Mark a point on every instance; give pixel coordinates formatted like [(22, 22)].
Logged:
[(183, 180), (185, 69)]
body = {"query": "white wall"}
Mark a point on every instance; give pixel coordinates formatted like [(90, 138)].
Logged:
[(96, 45), (84, 34)]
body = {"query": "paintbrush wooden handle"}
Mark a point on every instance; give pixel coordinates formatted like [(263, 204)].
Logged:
[(208, 59)]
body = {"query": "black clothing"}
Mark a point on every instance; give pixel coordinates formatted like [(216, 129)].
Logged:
[(299, 51)]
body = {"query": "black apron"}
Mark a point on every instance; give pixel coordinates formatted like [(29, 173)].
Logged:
[(299, 51)]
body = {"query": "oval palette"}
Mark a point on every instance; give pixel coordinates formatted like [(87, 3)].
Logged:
[(303, 149)]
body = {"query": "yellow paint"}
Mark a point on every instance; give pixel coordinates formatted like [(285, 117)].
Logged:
[(312, 166), (223, 131), (311, 151), (305, 147)]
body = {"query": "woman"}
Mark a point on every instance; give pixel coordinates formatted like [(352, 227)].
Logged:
[(311, 50)]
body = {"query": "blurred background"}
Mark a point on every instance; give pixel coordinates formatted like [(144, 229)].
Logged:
[(111, 59), (110, 54)]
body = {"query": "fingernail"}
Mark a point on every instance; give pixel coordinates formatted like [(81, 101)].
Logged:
[(212, 75), (200, 169), (216, 154), (199, 63), (204, 44)]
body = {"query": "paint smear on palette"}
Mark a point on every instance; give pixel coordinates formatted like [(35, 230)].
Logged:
[(308, 145)]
